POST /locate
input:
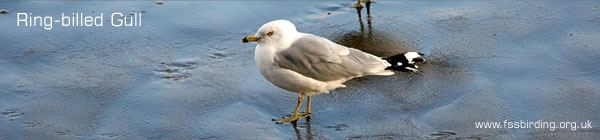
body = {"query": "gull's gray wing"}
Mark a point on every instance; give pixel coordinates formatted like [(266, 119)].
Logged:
[(323, 60)]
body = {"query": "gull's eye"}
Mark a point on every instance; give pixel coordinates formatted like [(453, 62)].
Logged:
[(269, 33)]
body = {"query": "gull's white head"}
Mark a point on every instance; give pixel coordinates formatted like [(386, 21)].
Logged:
[(277, 31)]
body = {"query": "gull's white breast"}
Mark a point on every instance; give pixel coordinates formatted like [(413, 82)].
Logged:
[(287, 79)]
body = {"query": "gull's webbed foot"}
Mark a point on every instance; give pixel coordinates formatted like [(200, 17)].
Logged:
[(303, 115), (291, 118), (285, 120)]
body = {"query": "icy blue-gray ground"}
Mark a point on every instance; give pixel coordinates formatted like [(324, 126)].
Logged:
[(184, 73)]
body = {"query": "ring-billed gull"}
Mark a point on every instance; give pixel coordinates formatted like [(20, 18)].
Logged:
[(311, 65)]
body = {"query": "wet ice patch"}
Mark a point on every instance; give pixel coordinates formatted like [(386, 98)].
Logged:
[(247, 122), (458, 117), (453, 14)]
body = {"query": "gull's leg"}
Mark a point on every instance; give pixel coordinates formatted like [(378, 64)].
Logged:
[(307, 113), (294, 116), (308, 106), (358, 5), (368, 2)]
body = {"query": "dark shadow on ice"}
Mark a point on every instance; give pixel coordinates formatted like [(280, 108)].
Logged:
[(371, 40), (426, 90)]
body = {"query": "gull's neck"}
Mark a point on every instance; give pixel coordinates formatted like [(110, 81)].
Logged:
[(265, 51), (284, 42)]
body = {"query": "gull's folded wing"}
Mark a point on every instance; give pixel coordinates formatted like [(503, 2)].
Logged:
[(323, 60)]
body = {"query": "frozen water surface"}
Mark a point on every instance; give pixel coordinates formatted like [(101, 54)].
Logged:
[(184, 74)]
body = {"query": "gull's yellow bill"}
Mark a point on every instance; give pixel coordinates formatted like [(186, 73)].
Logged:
[(249, 39)]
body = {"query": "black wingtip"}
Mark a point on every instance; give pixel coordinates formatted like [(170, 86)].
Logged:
[(402, 62), (419, 59)]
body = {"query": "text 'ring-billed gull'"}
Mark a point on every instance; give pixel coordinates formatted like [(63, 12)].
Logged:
[(311, 65)]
